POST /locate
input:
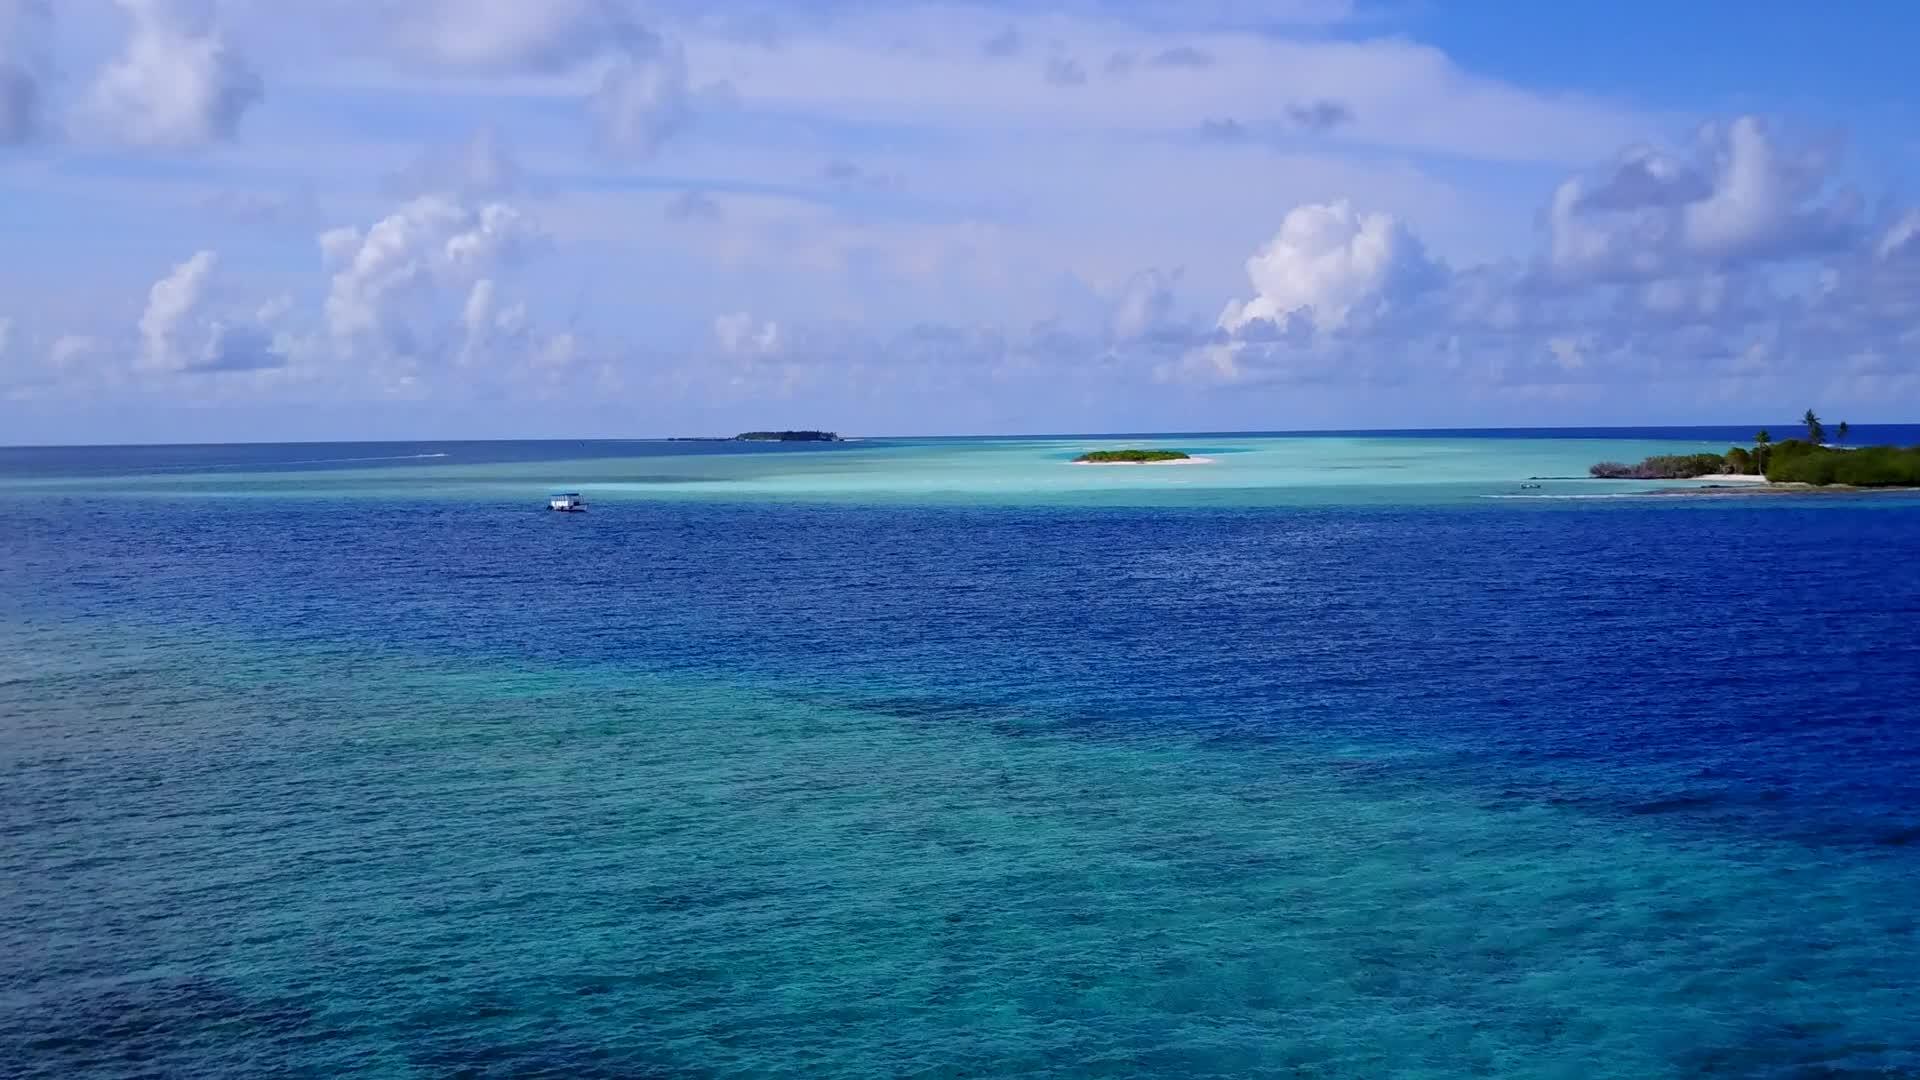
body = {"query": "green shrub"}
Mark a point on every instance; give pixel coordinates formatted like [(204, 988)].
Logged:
[(1800, 462), (1740, 461), (1131, 457), (1663, 467)]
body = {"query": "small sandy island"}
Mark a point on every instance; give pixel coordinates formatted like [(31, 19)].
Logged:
[(1140, 457)]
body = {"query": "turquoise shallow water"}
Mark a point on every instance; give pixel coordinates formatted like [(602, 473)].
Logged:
[(935, 781), (1238, 470)]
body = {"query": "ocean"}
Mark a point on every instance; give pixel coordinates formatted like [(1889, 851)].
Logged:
[(1338, 755)]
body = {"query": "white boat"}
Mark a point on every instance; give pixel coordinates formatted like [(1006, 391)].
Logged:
[(567, 502)]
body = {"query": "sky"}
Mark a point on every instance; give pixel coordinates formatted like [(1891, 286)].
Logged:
[(237, 220)]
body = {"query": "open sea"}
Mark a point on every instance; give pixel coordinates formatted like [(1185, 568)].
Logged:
[(1337, 756)]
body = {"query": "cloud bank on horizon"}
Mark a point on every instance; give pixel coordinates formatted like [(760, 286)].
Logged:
[(385, 218)]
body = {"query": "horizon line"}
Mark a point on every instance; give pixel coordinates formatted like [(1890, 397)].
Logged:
[(1260, 433)]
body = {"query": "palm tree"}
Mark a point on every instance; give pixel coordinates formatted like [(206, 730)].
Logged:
[(1840, 433), (1816, 433), (1761, 443)]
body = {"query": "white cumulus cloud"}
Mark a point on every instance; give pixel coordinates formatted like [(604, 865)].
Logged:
[(1902, 238), (488, 324), (408, 285), (642, 96), (1330, 265), (1740, 265), (177, 84), (171, 301), (179, 333), (1743, 197)]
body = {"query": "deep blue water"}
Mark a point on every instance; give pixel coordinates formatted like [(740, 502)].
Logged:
[(309, 786)]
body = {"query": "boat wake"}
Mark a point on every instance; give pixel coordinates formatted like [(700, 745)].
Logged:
[(298, 461), (1563, 498)]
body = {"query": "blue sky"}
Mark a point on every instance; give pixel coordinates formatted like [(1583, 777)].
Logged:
[(257, 219)]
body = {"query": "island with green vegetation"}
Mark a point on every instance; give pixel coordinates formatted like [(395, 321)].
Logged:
[(787, 436), (1665, 467), (1812, 461), (1130, 457), (1797, 462)]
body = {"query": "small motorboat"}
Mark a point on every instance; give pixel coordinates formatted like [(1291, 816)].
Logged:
[(566, 502)]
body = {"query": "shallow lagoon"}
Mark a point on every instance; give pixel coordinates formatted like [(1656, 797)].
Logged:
[(1247, 470)]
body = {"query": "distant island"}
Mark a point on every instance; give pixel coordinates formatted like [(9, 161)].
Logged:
[(1130, 457), (1812, 462), (763, 436), (787, 436)]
